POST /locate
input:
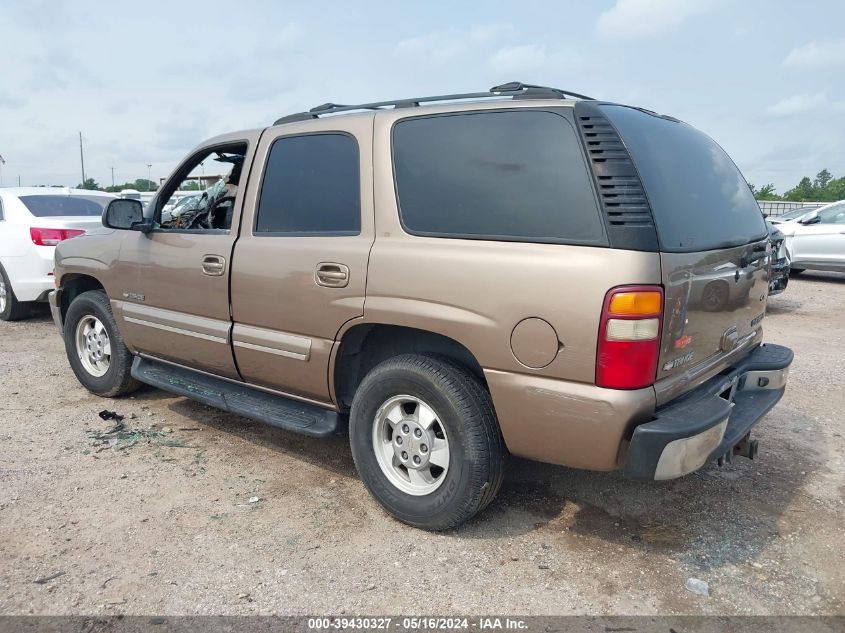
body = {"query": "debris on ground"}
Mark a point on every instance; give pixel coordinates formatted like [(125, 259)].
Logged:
[(105, 414), (698, 586), (253, 500), (121, 436), (44, 580)]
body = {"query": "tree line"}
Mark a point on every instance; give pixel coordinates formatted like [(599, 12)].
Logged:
[(140, 184), (823, 188)]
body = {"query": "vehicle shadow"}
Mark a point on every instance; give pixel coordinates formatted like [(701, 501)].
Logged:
[(331, 454), (716, 516), (710, 518), (824, 277)]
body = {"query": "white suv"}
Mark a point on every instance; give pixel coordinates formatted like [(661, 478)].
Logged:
[(32, 221)]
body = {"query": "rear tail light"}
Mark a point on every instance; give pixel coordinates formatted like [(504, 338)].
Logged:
[(51, 237), (629, 337)]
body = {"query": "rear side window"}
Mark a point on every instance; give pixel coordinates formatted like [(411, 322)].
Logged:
[(311, 186), (517, 176), (45, 206), (699, 198)]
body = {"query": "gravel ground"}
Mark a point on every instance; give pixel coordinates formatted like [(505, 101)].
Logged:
[(193, 511)]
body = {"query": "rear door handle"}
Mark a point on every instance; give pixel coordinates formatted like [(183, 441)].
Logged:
[(332, 275), (213, 265)]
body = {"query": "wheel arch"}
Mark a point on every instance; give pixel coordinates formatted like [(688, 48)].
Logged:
[(364, 345), (73, 285)]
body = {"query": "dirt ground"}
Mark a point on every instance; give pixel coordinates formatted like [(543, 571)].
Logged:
[(193, 511)]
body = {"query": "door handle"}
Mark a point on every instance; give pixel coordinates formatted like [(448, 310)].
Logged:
[(213, 265), (332, 275)]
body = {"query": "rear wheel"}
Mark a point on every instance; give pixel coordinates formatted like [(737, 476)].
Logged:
[(94, 347), (426, 441), (10, 308)]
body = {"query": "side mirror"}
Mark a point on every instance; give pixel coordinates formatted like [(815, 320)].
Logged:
[(811, 218), (126, 214)]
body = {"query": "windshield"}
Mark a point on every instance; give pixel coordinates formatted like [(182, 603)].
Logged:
[(795, 213), (832, 214), (45, 206), (699, 199)]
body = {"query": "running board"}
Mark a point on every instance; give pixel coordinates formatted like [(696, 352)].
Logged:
[(241, 399)]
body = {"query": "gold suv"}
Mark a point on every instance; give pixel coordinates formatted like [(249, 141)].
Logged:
[(448, 279)]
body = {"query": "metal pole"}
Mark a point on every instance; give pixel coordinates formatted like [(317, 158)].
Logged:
[(112, 176), (149, 170), (82, 160)]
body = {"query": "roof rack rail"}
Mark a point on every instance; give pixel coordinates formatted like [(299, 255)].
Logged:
[(513, 89)]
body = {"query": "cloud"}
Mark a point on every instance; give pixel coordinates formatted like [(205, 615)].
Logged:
[(531, 57), (439, 47), (817, 55), (631, 19), (10, 101), (804, 103)]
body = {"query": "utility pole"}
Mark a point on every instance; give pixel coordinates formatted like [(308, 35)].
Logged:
[(19, 180), (81, 159), (149, 170), (112, 176)]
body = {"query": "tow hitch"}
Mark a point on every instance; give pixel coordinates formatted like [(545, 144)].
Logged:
[(746, 447)]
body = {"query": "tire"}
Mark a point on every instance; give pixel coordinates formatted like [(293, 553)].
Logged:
[(10, 308), (796, 271), (111, 378), (463, 417)]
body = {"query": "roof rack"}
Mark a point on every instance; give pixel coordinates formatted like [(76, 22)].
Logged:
[(513, 89)]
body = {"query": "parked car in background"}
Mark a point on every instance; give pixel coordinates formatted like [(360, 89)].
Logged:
[(578, 282), (173, 208), (794, 214), (32, 221), (780, 263), (816, 241)]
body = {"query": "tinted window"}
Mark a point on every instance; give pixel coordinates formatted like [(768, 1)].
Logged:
[(43, 206), (311, 185), (497, 175), (699, 199)]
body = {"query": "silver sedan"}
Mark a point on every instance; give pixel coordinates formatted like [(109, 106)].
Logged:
[(817, 240)]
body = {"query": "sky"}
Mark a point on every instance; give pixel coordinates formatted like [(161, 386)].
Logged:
[(146, 82)]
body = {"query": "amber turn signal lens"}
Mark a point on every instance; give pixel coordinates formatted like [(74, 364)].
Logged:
[(636, 303)]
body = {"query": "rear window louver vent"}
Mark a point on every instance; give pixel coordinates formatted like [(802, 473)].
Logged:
[(623, 200)]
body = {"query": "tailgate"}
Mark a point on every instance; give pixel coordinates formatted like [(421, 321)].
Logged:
[(715, 302)]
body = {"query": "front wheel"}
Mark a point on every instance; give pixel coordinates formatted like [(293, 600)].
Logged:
[(426, 441), (94, 347)]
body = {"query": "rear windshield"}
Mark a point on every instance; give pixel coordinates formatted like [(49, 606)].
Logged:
[(699, 198), (45, 206)]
